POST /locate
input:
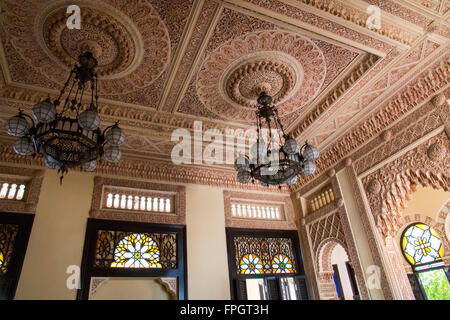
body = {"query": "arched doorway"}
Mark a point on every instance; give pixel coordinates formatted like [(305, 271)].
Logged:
[(336, 278)]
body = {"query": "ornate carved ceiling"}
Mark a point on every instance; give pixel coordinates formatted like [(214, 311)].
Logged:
[(165, 64)]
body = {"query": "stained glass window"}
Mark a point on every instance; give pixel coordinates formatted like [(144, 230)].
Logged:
[(282, 264), (8, 234), (264, 255), (118, 249), (251, 264), (136, 251), (421, 244)]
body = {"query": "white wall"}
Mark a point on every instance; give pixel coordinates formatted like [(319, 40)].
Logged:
[(207, 257), (57, 237), (57, 240)]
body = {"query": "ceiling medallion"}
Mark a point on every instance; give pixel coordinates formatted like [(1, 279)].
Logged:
[(279, 161), (130, 42), (247, 78), (66, 142), (289, 67), (104, 36)]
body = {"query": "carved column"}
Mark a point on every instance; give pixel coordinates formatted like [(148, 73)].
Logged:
[(370, 229), (308, 258), (326, 285), (398, 273), (351, 245)]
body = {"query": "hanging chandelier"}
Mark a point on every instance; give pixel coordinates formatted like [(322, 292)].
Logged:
[(281, 160), (66, 142)]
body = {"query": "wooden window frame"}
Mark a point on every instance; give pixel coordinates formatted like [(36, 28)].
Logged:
[(25, 223), (88, 270), (353, 282), (237, 280)]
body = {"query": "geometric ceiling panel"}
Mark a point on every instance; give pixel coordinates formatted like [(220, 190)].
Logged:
[(241, 60), (165, 64)]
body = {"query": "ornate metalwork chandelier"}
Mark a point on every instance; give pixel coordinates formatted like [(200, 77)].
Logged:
[(66, 142), (281, 160)]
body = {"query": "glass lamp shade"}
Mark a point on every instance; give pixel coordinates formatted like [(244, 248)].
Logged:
[(310, 153), (262, 149), (89, 119), (89, 166), (243, 176), (51, 163), (241, 163), (115, 137), (291, 146), (17, 126), (294, 157), (44, 112), (112, 154), (309, 168), (24, 146), (292, 181)]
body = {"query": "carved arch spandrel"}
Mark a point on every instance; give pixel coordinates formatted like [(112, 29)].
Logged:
[(169, 284), (390, 187)]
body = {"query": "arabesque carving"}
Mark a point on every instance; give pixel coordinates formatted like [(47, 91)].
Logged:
[(400, 178)]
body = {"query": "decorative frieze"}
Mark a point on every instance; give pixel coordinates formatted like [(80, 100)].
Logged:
[(412, 95)]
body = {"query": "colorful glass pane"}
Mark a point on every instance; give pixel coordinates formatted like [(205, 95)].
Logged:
[(282, 264), (118, 249), (8, 233), (275, 255), (136, 251), (421, 244), (251, 264)]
